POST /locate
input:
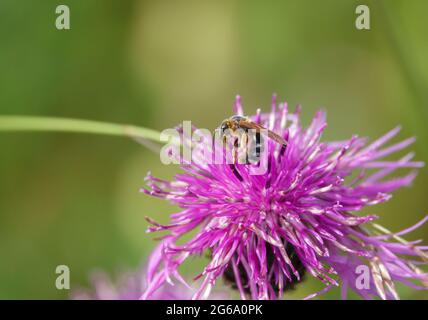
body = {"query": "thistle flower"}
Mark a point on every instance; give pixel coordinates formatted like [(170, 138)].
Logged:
[(130, 286), (263, 233)]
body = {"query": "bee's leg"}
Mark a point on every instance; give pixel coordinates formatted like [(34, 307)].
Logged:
[(243, 152), (258, 144), (247, 151), (282, 151), (235, 172), (234, 158), (235, 152), (284, 146)]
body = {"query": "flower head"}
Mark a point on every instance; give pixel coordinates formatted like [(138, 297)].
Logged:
[(263, 233), (130, 286)]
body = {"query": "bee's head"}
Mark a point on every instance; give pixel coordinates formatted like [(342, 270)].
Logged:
[(224, 126), (237, 118)]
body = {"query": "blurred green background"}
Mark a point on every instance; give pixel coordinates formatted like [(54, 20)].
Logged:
[(74, 200)]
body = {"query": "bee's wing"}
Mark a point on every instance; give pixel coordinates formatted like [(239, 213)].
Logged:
[(248, 124), (277, 138)]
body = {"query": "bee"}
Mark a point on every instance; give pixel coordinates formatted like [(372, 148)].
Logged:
[(238, 127)]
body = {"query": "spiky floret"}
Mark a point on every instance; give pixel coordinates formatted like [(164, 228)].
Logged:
[(130, 286), (263, 231)]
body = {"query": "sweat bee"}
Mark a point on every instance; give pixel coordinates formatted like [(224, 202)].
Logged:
[(238, 127)]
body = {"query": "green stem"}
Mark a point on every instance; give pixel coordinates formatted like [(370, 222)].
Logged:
[(30, 123)]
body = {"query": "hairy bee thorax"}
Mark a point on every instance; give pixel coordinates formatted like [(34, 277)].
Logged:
[(231, 124)]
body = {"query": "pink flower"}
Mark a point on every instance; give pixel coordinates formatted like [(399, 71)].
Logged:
[(264, 232)]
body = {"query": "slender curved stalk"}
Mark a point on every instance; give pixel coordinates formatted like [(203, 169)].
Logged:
[(34, 123)]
